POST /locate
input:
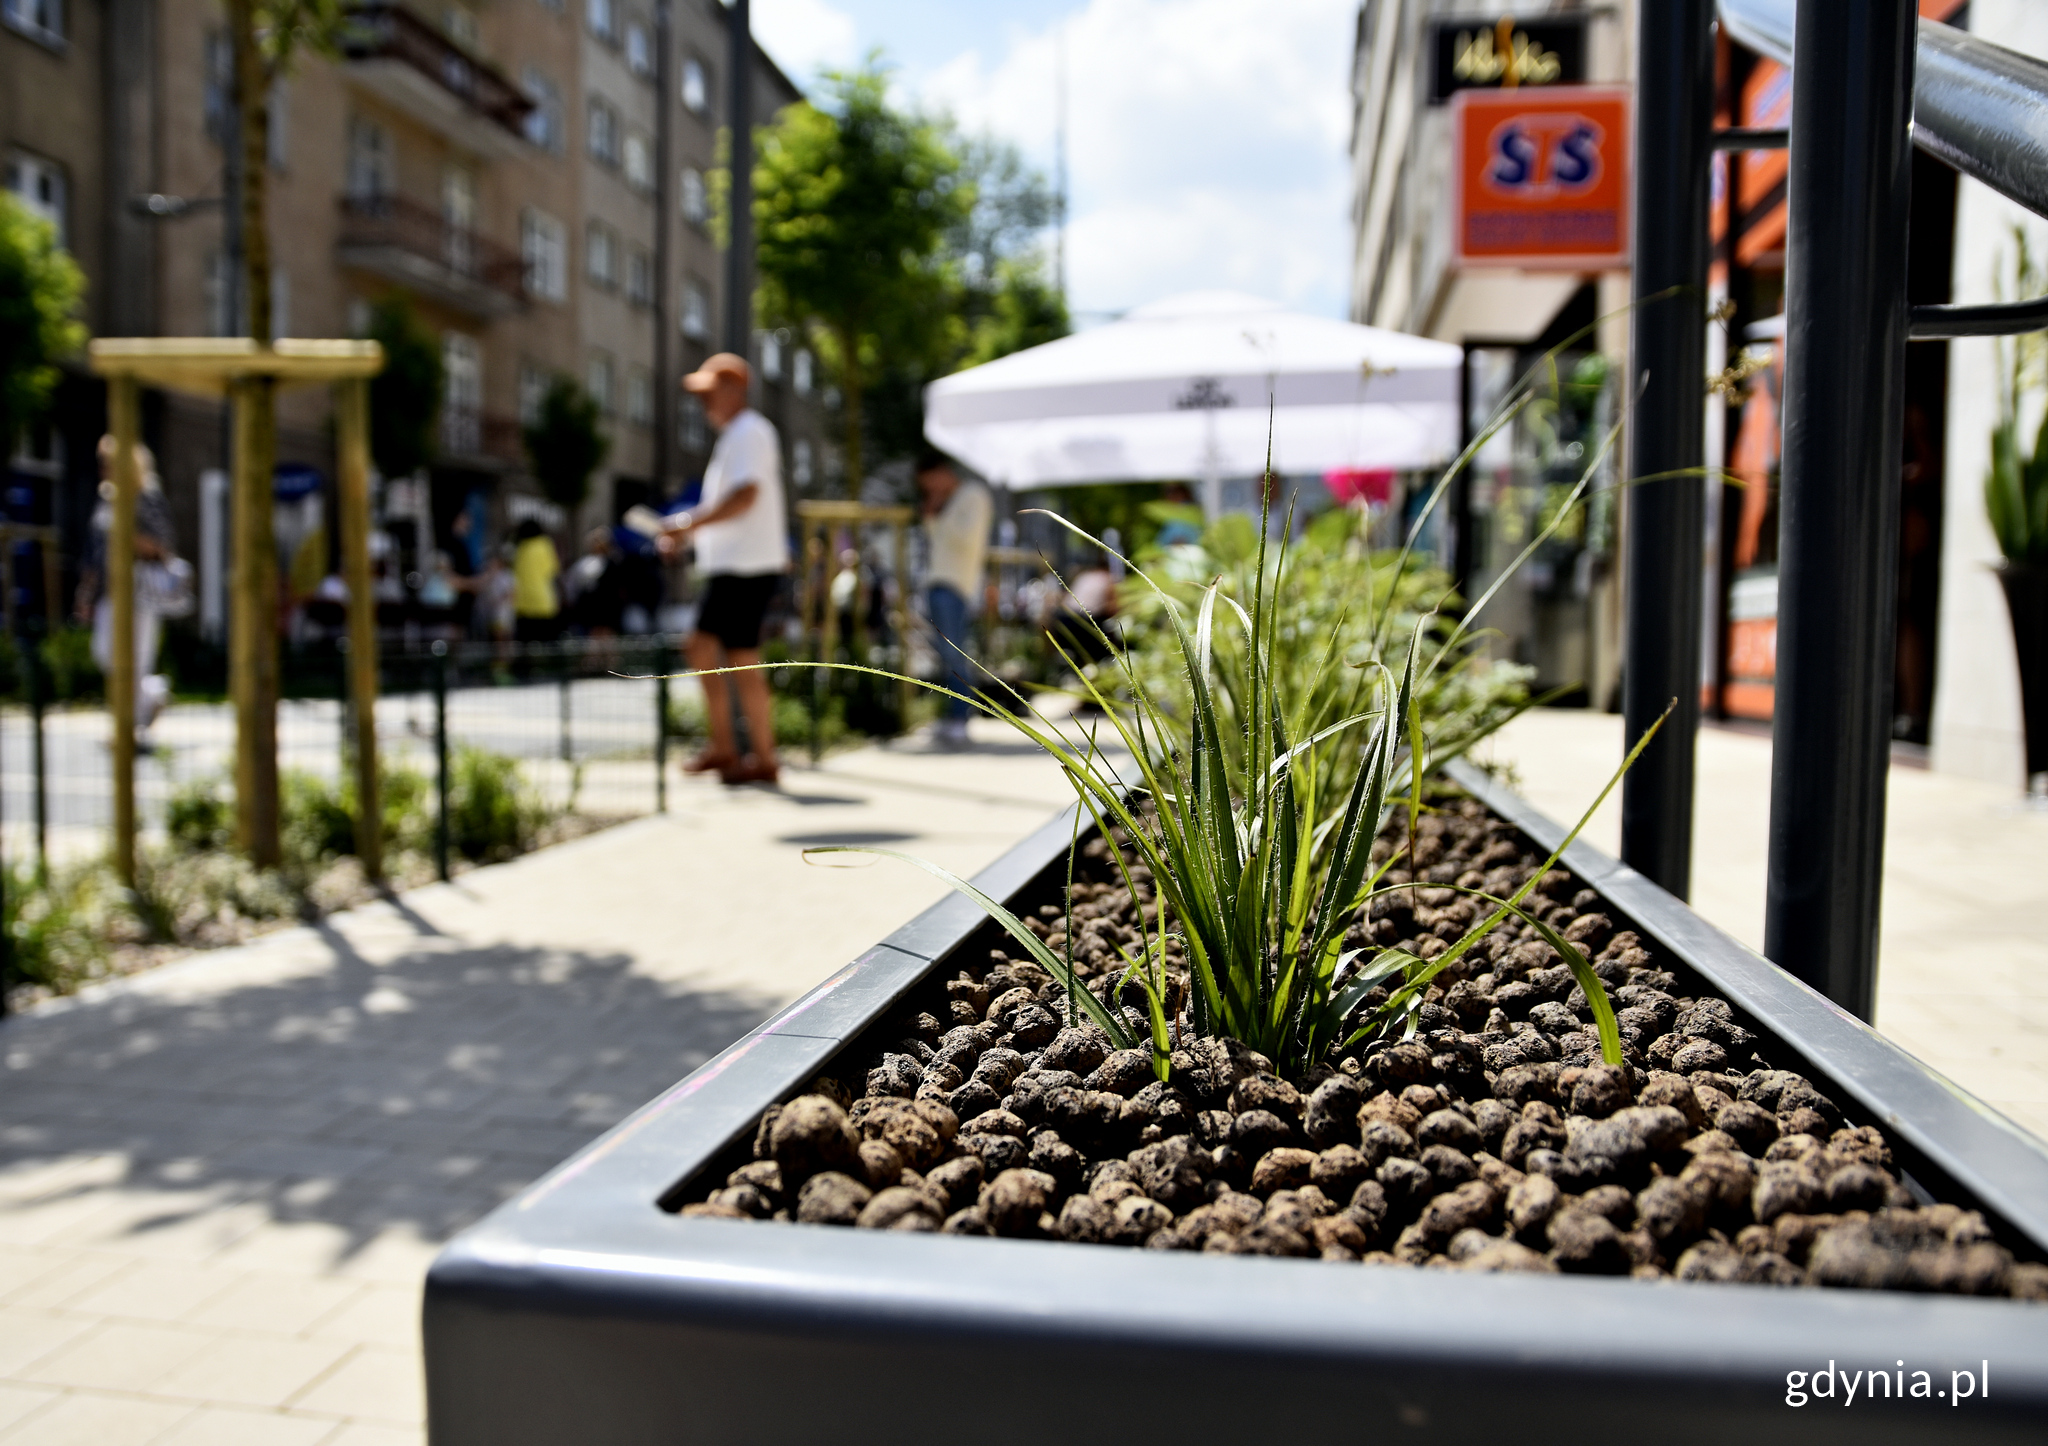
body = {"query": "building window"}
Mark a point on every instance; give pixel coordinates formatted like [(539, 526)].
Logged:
[(771, 356), (800, 462), (696, 86), (603, 19), (640, 397), (462, 394), (800, 372), (691, 428), (639, 277), (543, 246), (533, 390), (39, 185), (544, 122), (597, 380), (604, 133), (695, 316), (277, 133), (220, 85), (368, 176), (38, 19), (601, 255), (639, 50), (639, 157), (696, 197)]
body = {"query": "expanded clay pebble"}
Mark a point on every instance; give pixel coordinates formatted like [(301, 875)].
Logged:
[(1495, 1139)]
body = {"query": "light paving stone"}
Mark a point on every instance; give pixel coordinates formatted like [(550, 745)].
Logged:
[(94, 1420), (69, 1274), (119, 1356), (378, 1315), (150, 1291), (366, 1433), (374, 1382), (280, 1304), (216, 1426), (251, 1370), (18, 1403), (28, 1336)]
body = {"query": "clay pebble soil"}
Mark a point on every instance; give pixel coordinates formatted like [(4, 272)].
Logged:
[(1494, 1139)]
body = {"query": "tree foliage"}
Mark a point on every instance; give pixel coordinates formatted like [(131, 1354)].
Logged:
[(565, 443), (405, 397), (854, 200), (40, 288)]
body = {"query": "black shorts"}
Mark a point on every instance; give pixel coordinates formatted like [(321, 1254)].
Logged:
[(734, 604)]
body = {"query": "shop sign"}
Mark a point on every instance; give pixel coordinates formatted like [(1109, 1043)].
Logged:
[(1542, 178), (1504, 54)]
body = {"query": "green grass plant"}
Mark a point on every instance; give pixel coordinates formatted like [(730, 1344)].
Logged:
[(1271, 740)]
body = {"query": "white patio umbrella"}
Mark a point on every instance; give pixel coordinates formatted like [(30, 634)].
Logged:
[(1179, 389)]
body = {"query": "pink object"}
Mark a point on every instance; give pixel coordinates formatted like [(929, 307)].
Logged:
[(1352, 484)]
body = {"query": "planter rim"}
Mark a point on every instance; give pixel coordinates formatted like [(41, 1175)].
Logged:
[(587, 1243)]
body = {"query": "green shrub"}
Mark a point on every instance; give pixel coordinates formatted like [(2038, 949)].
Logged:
[(200, 816), (56, 926), (493, 812)]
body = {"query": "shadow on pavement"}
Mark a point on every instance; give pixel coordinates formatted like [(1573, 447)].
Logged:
[(417, 1093)]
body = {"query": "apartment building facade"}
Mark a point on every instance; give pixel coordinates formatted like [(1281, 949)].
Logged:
[(532, 174)]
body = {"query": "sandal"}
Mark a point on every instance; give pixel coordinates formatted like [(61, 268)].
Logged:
[(710, 761), (751, 770)]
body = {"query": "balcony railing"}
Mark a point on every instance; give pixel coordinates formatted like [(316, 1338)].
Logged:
[(416, 246), (384, 31)]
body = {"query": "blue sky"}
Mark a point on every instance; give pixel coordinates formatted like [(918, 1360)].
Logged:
[(1206, 137)]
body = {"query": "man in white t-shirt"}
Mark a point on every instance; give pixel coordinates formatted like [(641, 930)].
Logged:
[(741, 537)]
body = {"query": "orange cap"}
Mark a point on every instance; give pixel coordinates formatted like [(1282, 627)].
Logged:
[(718, 368)]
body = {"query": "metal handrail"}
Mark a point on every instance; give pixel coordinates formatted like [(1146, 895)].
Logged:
[(1978, 108)]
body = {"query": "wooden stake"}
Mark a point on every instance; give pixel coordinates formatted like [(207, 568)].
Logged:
[(124, 411), (253, 648), (352, 427)]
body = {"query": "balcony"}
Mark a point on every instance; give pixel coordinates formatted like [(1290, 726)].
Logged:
[(414, 67), (484, 440), (413, 246)]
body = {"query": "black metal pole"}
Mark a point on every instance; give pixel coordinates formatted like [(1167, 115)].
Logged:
[(1667, 429), (568, 746), (440, 652), (660, 728), (32, 657), (739, 120), (1850, 190)]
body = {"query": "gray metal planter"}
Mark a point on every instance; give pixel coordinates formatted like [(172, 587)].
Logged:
[(585, 1312)]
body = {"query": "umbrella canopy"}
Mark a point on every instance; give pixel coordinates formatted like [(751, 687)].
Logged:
[(1179, 389)]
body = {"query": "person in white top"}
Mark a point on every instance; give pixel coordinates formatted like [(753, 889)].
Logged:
[(741, 537), (956, 523)]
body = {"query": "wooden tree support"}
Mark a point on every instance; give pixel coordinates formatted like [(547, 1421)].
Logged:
[(248, 375)]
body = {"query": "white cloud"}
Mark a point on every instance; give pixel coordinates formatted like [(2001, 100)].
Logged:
[(805, 35), (1206, 143)]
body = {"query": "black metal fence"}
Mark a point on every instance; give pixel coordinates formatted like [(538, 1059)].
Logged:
[(587, 720)]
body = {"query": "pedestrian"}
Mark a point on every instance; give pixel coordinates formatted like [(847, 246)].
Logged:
[(741, 537), (956, 523), (536, 608), (163, 583)]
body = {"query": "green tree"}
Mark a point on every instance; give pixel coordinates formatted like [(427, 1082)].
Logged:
[(406, 396), (854, 202), (40, 288), (565, 443), (1023, 310)]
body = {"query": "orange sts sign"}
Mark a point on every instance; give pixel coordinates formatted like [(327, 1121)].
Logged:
[(1542, 178)]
